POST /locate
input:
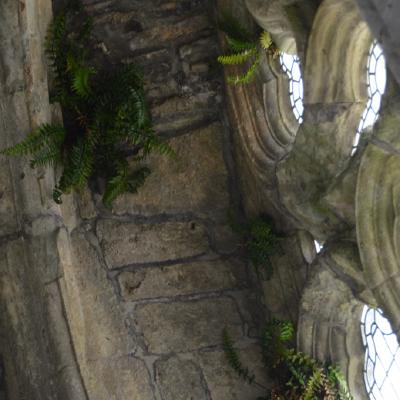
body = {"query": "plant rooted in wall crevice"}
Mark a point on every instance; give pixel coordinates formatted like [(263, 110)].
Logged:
[(104, 112)]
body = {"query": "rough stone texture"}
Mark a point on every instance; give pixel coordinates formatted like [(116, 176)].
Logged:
[(223, 382), (196, 182), (120, 378), (96, 304), (180, 380), (127, 243), (91, 304), (182, 279), (199, 322)]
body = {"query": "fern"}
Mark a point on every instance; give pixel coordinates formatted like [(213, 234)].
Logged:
[(45, 136), (296, 375), (244, 47), (105, 115), (233, 358), (247, 76), (238, 46), (123, 182), (237, 58)]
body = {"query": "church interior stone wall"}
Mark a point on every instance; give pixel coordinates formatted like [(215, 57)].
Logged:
[(130, 302)]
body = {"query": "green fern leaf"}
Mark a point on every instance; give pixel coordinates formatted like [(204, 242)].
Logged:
[(247, 76), (237, 58), (78, 166), (81, 79), (238, 46), (35, 141), (233, 358), (123, 182)]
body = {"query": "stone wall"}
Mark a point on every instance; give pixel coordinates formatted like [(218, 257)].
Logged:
[(130, 302)]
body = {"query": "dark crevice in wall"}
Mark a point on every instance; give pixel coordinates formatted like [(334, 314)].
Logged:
[(3, 389)]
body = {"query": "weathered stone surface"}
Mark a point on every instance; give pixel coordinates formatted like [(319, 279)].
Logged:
[(8, 215), (182, 279), (127, 243), (195, 182), (95, 317), (223, 381), (180, 379), (168, 31), (122, 378), (87, 209), (185, 326)]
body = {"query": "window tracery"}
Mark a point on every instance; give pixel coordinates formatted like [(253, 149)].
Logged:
[(382, 356), (376, 84), (291, 66)]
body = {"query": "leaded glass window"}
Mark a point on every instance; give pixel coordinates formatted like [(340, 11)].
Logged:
[(291, 65), (382, 356), (376, 81)]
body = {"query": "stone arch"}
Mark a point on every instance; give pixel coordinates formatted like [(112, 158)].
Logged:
[(377, 209), (329, 325), (335, 97)]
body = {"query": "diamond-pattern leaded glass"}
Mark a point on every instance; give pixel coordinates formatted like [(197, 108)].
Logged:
[(382, 356), (291, 65), (376, 80)]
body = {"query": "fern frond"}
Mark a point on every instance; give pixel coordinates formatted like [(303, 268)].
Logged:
[(314, 384), (52, 152), (78, 166), (34, 142), (137, 179), (81, 79), (238, 45), (336, 377), (237, 58), (247, 76), (124, 182), (233, 358)]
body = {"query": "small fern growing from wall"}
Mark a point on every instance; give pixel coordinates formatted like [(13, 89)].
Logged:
[(295, 375), (104, 114), (260, 241), (245, 48)]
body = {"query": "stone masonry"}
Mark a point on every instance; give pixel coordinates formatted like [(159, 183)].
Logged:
[(135, 298)]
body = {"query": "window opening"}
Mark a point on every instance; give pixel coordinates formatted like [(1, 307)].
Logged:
[(382, 356), (318, 246), (376, 84), (291, 66)]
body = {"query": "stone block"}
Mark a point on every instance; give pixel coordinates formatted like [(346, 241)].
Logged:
[(127, 243), (169, 30), (186, 326), (120, 378), (180, 380), (95, 317), (223, 382), (182, 279), (196, 182)]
